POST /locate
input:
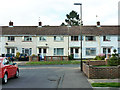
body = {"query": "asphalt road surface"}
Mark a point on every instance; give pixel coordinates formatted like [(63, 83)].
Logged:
[(44, 76)]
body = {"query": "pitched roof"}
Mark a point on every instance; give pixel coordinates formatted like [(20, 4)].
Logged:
[(60, 30)]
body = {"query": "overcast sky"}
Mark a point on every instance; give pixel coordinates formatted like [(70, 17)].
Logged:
[(53, 12)]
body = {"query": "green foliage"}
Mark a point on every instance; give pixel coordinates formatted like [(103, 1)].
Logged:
[(115, 51), (70, 57), (114, 61), (99, 58), (72, 19), (33, 55), (17, 55), (53, 62), (112, 84)]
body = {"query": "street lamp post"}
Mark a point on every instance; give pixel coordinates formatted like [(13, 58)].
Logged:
[(81, 31)]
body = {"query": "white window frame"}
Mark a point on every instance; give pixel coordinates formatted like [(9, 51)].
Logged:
[(30, 51), (90, 52), (27, 38), (10, 38), (107, 38), (58, 38), (42, 38), (56, 51), (87, 38)]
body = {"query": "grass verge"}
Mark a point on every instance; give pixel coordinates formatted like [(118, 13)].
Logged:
[(112, 84), (53, 62)]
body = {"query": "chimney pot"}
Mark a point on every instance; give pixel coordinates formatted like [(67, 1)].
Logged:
[(39, 24), (10, 24), (98, 24)]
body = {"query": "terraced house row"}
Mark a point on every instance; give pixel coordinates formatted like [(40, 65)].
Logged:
[(59, 40)]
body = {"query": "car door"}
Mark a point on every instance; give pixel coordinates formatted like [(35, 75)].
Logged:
[(13, 68), (8, 67)]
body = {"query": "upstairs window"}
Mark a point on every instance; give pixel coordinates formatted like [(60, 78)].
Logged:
[(27, 38), (106, 38), (11, 38), (74, 38), (58, 38), (90, 38), (42, 38)]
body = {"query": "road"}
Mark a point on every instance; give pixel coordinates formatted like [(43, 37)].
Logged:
[(44, 76)]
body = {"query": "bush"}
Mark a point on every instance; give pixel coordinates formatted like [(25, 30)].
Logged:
[(100, 57), (33, 55), (70, 57), (114, 61), (17, 55)]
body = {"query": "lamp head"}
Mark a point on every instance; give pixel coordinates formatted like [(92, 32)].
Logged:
[(77, 3)]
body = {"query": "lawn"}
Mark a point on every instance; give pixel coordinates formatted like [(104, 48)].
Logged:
[(53, 62), (101, 66), (112, 84)]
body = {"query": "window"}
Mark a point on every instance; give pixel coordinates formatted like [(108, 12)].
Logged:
[(8, 50), (90, 51), (27, 51), (44, 50), (27, 38), (71, 50), (11, 38), (106, 38), (13, 50), (74, 38), (40, 50), (58, 38), (118, 37), (42, 38), (76, 50), (104, 50), (118, 50), (58, 51), (90, 38)]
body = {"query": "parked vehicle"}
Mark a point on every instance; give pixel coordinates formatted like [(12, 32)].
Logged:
[(8, 69), (23, 57), (10, 56)]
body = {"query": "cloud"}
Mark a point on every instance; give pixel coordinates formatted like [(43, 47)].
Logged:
[(53, 12)]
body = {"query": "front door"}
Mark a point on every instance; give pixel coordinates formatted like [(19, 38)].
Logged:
[(106, 51), (75, 53), (43, 52)]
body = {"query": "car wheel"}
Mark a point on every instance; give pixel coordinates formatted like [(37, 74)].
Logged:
[(17, 74), (5, 78)]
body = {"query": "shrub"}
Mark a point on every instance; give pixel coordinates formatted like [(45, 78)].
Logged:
[(100, 57), (33, 55), (114, 61), (17, 55), (70, 57)]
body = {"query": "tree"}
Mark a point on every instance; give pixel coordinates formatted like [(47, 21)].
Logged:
[(72, 19)]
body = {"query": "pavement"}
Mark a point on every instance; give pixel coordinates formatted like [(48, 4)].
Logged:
[(74, 78)]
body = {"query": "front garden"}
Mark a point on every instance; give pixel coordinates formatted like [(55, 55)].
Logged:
[(103, 69)]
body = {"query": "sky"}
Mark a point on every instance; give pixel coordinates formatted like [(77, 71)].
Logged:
[(53, 12)]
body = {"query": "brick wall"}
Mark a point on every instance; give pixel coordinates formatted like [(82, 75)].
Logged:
[(101, 72), (55, 58), (98, 62), (48, 58)]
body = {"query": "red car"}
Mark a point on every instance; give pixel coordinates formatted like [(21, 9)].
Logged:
[(8, 69)]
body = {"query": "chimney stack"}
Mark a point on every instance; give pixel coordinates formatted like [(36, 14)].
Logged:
[(39, 24), (98, 23), (10, 24)]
